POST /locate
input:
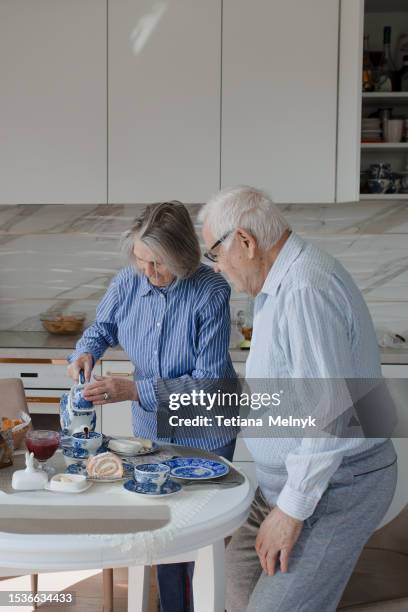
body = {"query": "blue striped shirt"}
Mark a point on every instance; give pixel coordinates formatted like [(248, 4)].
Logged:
[(177, 332)]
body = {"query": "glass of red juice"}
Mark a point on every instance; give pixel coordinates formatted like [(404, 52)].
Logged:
[(43, 443)]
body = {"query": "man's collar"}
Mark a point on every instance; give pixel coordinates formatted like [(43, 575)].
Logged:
[(287, 255)]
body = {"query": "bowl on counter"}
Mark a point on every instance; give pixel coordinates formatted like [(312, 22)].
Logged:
[(63, 323)]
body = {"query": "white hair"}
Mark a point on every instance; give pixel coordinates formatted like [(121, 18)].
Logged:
[(167, 229), (248, 208)]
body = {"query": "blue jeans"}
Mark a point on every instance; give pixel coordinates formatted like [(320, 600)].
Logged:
[(175, 580)]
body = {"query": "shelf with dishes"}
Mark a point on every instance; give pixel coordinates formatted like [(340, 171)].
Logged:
[(384, 123), (384, 146)]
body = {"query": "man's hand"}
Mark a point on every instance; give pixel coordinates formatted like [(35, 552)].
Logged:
[(276, 537), (85, 363), (108, 389)]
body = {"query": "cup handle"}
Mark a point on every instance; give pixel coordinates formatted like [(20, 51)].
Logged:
[(81, 377)]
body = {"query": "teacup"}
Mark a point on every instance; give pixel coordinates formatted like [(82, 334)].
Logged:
[(90, 442), (153, 474)]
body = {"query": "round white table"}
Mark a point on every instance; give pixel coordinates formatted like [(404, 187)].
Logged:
[(200, 520)]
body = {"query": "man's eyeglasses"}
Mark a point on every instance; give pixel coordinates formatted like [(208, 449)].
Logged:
[(214, 256)]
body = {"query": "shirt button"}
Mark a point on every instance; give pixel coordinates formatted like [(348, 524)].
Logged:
[(158, 325), (155, 352)]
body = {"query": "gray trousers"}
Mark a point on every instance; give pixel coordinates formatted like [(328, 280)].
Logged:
[(328, 547)]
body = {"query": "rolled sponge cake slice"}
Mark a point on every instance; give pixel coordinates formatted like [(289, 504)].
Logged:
[(105, 465)]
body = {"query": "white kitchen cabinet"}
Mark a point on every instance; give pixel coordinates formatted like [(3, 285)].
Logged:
[(164, 65), (349, 100), (117, 417), (53, 102), (279, 97)]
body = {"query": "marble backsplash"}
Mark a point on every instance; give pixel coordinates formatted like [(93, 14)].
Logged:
[(56, 257)]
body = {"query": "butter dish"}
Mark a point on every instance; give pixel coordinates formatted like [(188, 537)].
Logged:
[(29, 479), (68, 483)]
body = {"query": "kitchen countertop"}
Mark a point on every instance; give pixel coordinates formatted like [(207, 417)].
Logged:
[(40, 345)]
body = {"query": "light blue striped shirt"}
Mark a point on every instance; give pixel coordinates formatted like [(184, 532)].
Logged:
[(310, 322), (178, 332)]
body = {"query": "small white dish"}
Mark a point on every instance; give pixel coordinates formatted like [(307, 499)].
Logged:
[(68, 483), (125, 447), (122, 448)]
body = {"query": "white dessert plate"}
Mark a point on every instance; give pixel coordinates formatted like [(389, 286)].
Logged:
[(130, 448)]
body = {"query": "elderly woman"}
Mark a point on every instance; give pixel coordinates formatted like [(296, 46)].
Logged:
[(171, 315)]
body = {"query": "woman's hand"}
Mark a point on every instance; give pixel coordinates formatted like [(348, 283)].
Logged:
[(85, 363), (276, 538), (108, 389)]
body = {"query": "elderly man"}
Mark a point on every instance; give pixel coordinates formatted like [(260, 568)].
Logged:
[(319, 499)]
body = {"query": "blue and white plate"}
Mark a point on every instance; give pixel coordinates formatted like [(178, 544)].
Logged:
[(76, 468), (196, 468), (76, 453), (170, 487)]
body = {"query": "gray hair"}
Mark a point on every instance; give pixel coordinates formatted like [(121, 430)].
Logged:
[(167, 229), (248, 208)]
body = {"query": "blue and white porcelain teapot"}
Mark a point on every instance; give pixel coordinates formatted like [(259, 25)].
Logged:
[(76, 413)]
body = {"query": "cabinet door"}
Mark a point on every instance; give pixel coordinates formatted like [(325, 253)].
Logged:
[(164, 100), (279, 97), (53, 102), (349, 102), (117, 417)]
